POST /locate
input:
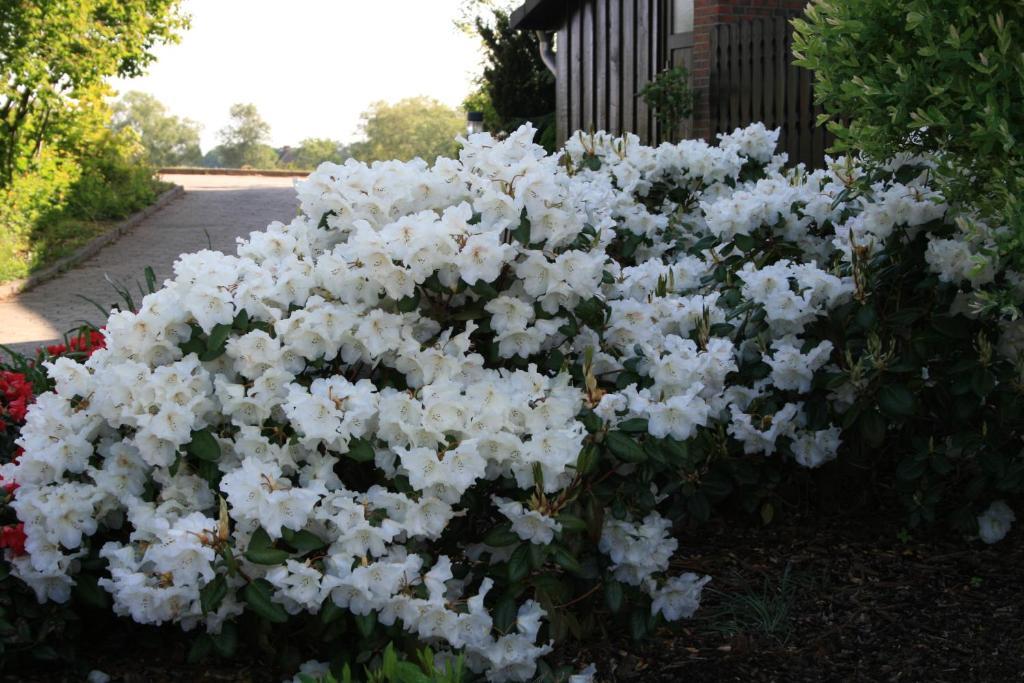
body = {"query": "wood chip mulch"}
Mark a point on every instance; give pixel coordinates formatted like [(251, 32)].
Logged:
[(837, 600)]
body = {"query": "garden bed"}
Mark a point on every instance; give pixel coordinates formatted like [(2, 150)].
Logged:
[(840, 599), (843, 599)]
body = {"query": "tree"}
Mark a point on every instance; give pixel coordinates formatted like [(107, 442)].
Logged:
[(54, 54), (943, 77), (515, 86), (413, 127), (167, 139), (314, 151), (244, 139)]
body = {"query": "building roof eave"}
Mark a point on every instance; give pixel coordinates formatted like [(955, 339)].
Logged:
[(539, 15)]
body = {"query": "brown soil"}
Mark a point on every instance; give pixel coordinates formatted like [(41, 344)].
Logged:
[(842, 601)]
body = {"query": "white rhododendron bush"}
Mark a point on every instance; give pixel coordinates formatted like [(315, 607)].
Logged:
[(466, 404)]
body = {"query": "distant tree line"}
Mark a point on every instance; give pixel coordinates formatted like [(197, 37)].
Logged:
[(412, 127)]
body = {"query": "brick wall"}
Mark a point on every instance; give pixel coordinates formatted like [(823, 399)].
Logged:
[(707, 13)]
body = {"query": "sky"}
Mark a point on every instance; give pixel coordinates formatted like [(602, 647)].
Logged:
[(310, 66)]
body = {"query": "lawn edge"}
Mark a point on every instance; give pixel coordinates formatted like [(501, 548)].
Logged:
[(12, 288)]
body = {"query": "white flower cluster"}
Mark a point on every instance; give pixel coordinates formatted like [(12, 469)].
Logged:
[(406, 318)]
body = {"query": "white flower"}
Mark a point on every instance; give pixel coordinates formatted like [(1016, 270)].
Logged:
[(995, 522), (482, 258), (529, 525), (679, 597)]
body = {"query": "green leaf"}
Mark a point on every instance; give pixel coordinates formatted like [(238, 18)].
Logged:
[(613, 595), (410, 303), (303, 541), (330, 612), (896, 400), (204, 446), (501, 535), (872, 428), (638, 624), (521, 233), (624, 447), (360, 450), (571, 522), (241, 321), (591, 312), (212, 594), (745, 243), (519, 564), (636, 425), (982, 382), (484, 289), (216, 343), (538, 554), (566, 559), (226, 642), (201, 648), (261, 550), (258, 595), (911, 468), (150, 279), (87, 590), (365, 623), (505, 614)]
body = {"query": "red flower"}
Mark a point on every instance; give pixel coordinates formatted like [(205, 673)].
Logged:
[(13, 537), (9, 486), (87, 343), (15, 396)]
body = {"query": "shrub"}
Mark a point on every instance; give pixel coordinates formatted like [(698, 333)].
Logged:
[(31, 199), (115, 180), (56, 203), (941, 77), (671, 96), (465, 404), (29, 630)]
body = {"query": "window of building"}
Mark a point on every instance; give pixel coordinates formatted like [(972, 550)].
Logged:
[(682, 16)]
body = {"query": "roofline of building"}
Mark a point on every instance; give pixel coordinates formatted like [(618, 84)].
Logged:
[(539, 15)]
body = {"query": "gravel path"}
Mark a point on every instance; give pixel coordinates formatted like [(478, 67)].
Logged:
[(224, 207)]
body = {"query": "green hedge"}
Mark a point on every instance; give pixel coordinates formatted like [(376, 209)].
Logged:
[(61, 202)]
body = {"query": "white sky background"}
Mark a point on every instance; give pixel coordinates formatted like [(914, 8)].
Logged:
[(310, 66)]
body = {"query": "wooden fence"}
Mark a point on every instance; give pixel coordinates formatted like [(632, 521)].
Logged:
[(753, 79), (607, 51)]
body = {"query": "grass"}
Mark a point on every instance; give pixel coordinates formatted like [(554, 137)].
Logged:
[(57, 236), (767, 611)]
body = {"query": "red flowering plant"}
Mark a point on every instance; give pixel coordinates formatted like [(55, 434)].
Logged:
[(21, 380), (24, 625), (28, 629)]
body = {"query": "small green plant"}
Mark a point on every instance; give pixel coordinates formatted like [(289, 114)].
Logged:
[(395, 670), (767, 612), (671, 96)]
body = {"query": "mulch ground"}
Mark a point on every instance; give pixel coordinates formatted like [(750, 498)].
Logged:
[(839, 600), (832, 600)]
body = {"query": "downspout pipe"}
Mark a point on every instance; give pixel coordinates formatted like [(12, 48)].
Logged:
[(546, 49)]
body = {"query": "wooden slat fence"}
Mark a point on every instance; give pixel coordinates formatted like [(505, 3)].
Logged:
[(607, 50), (753, 79)]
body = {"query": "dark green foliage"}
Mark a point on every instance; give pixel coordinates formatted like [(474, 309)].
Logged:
[(671, 96), (515, 86)]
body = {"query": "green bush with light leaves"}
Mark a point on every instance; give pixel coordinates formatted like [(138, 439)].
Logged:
[(936, 77)]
